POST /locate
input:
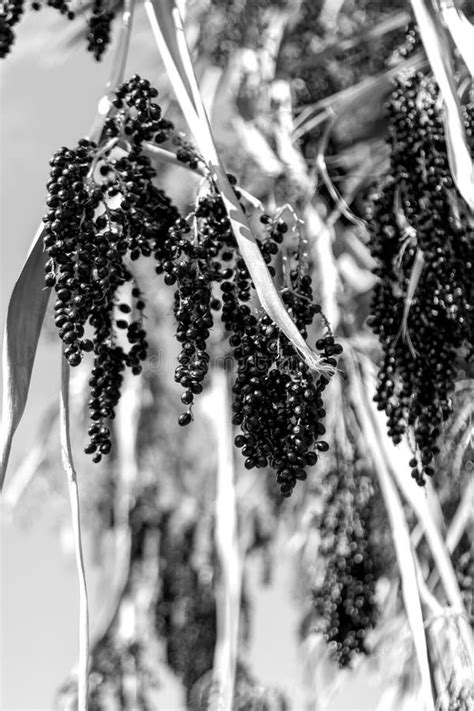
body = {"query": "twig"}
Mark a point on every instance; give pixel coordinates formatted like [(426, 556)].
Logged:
[(68, 464)]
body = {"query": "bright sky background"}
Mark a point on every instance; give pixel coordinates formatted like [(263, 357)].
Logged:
[(46, 104)]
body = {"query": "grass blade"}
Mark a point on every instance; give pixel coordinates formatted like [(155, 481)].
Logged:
[(68, 464), (168, 31), (462, 32), (436, 45), (24, 320)]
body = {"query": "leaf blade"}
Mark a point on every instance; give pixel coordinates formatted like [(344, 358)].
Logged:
[(462, 32), (25, 316)]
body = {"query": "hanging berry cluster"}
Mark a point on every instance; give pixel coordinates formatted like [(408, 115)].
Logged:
[(420, 235), (99, 25), (102, 13), (277, 400), (104, 213), (344, 600), (10, 13)]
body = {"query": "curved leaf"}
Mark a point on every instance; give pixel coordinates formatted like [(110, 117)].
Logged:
[(25, 316)]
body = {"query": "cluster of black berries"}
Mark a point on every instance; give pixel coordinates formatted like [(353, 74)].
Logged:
[(104, 213), (419, 228), (102, 14), (278, 402), (10, 13), (277, 399), (344, 600), (99, 24), (189, 262)]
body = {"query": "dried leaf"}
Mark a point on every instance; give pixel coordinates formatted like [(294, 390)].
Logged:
[(25, 316), (437, 50), (168, 31)]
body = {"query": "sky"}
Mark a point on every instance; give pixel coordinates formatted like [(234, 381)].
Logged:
[(48, 100)]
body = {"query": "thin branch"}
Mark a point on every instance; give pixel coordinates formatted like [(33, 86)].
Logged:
[(68, 464)]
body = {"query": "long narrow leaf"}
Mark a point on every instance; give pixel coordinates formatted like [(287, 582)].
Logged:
[(168, 31), (436, 45), (462, 32), (25, 317)]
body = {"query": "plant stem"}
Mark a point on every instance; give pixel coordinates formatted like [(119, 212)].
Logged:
[(68, 464), (227, 547)]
